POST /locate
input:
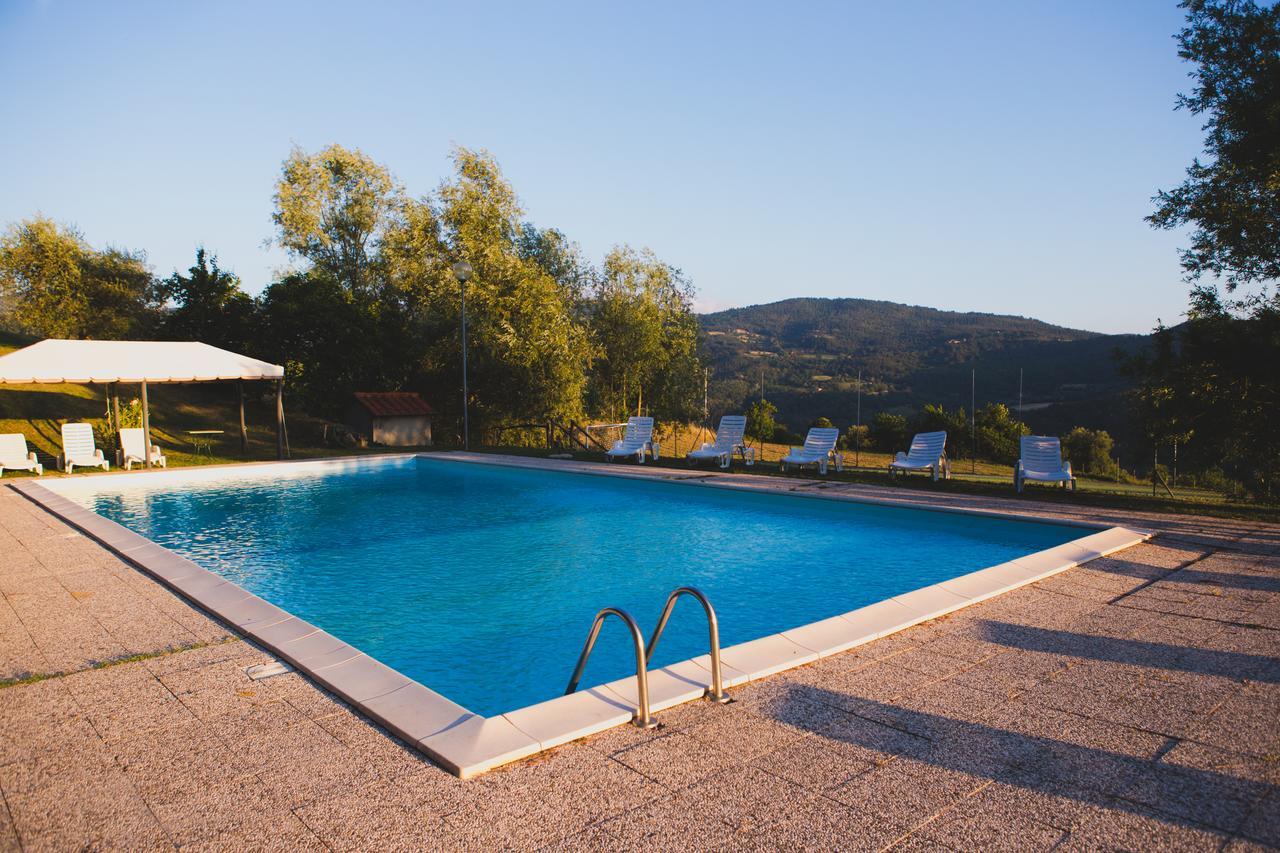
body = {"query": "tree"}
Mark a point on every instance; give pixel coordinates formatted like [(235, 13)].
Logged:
[(207, 305), (760, 423), (321, 334), (528, 352), (646, 336), (1090, 452), (999, 434), (60, 287), (889, 432), (1211, 385), (333, 209), (1233, 198)]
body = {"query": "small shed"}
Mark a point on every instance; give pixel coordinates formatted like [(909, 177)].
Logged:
[(393, 418)]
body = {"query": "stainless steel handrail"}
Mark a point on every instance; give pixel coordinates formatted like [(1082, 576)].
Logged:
[(716, 691), (642, 717)]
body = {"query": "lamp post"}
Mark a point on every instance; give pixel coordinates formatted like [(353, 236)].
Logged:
[(462, 271)]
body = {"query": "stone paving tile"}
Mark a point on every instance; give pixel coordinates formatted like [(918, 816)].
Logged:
[(662, 825), (675, 760), (819, 824), (978, 823), (547, 799), (402, 815), (96, 811), (817, 763)]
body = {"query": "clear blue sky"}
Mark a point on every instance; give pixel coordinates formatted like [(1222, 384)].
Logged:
[(993, 156)]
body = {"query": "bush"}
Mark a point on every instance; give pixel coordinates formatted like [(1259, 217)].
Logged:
[(821, 423), (782, 435), (889, 432), (1090, 452), (856, 437), (999, 434)]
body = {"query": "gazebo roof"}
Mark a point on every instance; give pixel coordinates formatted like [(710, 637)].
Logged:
[(54, 361)]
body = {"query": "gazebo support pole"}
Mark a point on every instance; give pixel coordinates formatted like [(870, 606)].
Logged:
[(115, 406), (279, 418), (244, 433), (146, 424)]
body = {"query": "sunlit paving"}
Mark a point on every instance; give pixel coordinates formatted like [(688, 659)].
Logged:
[(843, 427)]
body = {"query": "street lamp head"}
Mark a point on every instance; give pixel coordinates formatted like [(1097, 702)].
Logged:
[(462, 271)]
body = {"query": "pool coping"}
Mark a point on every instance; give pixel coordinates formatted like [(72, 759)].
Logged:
[(468, 744)]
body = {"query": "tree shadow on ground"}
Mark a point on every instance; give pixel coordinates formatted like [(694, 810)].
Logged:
[(1234, 665), (1260, 582), (1020, 752)]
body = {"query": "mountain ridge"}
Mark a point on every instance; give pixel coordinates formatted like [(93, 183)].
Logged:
[(808, 352)]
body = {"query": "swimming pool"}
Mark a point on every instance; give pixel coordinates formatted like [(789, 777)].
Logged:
[(481, 581)]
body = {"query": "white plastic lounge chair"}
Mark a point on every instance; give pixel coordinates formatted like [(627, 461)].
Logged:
[(928, 452), (15, 456), (78, 448), (729, 440), (819, 449), (635, 441), (133, 447), (1042, 460)]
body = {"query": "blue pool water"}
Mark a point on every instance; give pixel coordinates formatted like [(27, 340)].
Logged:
[(480, 581)]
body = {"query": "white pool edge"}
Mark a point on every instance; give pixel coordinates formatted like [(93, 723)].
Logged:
[(468, 744)]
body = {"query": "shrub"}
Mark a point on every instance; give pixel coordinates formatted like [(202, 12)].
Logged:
[(889, 432), (1090, 452)]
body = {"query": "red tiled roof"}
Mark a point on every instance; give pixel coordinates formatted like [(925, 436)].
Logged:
[(391, 403)]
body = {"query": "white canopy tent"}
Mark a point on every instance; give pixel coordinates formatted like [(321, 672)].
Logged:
[(141, 362)]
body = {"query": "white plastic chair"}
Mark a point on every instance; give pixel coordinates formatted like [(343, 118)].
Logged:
[(636, 441), (729, 440), (15, 456), (1042, 460), (78, 448), (133, 447), (819, 449), (928, 452)]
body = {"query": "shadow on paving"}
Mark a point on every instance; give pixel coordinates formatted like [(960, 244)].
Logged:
[(1187, 575), (1061, 766), (1234, 665)]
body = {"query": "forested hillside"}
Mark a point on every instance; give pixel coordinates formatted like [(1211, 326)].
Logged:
[(809, 352)]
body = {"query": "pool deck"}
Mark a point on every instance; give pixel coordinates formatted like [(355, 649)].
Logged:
[(1129, 703)]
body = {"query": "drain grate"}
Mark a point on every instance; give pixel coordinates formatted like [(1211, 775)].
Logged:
[(266, 670)]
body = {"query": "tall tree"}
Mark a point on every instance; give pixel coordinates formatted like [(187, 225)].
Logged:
[(529, 353), (207, 305), (58, 286), (1233, 197), (646, 334), (333, 208)]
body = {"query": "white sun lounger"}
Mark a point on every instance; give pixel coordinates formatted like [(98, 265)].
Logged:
[(729, 440), (636, 441), (819, 449), (15, 456), (133, 447), (78, 448), (1042, 460), (928, 452)]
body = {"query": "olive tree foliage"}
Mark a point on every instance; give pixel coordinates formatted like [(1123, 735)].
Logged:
[(56, 285), (646, 338), (333, 209), (1232, 197), (389, 256), (529, 354)]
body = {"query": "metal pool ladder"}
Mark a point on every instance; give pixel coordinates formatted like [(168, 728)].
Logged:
[(643, 718), (716, 691)]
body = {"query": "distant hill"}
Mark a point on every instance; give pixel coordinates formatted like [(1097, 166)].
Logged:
[(810, 352)]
